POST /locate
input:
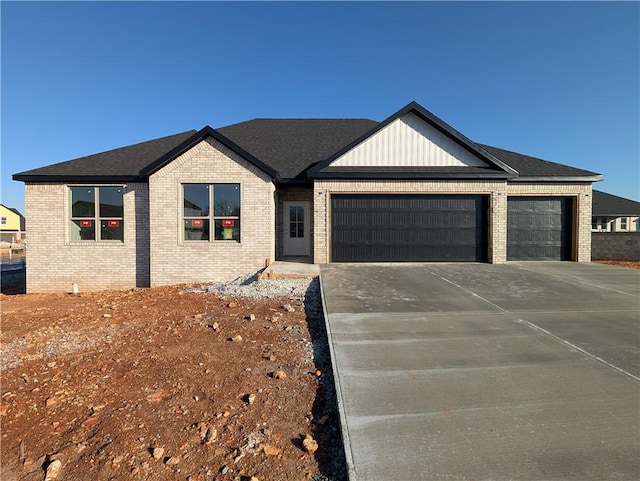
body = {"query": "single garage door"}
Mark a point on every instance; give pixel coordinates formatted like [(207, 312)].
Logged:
[(408, 228), (539, 228)]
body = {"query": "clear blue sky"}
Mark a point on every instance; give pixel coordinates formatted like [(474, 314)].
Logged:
[(559, 81)]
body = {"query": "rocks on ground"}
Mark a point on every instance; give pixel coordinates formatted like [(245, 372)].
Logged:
[(144, 384)]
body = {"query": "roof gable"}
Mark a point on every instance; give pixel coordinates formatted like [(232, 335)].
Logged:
[(13, 210), (409, 141), (135, 162), (414, 142), (199, 136)]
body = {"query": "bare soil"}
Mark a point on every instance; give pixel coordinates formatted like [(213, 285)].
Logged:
[(628, 264), (99, 381)]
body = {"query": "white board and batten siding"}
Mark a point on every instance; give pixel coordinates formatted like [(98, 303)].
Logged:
[(408, 142)]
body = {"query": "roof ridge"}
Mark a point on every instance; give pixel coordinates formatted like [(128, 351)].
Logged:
[(271, 119)]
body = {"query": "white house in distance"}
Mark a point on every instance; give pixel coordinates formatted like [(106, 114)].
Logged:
[(214, 204), (614, 214)]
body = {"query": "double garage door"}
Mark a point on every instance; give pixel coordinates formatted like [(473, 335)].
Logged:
[(445, 228), (408, 228)]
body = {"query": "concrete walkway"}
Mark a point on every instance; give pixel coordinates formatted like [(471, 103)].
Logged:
[(290, 269), (524, 371)]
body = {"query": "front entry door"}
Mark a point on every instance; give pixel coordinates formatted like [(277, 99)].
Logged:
[(296, 235)]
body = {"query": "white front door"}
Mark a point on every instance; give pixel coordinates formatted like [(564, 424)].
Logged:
[(296, 236)]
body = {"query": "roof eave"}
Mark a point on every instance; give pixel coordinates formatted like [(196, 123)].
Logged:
[(412, 175), (294, 181), (600, 214), (57, 179), (558, 178)]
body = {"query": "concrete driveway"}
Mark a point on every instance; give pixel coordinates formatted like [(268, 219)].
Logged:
[(524, 371)]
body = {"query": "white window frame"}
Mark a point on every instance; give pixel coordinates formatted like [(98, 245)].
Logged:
[(624, 223), (603, 224)]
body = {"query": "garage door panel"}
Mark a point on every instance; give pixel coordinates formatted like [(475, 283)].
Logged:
[(413, 228), (539, 228)]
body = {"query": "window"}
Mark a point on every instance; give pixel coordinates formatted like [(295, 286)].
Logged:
[(623, 223), (3, 221), (201, 222), (603, 224), (97, 213), (296, 221), (594, 223)]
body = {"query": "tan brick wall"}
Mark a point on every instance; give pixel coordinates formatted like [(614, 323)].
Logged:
[(324, 188), (580, 191), (287, 194), (175, 261), (54, 262)]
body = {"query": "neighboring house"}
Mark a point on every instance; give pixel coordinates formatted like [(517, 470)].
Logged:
[(214, 204), (614, 214), (12, 225)]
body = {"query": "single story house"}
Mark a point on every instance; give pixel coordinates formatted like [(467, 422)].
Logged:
[(12, 225), (213, 204), (614, 214)]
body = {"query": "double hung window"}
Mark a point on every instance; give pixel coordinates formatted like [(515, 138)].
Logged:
[(211, 212), (97, 213)]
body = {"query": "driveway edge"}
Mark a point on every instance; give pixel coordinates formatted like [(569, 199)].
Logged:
[(336, 382)]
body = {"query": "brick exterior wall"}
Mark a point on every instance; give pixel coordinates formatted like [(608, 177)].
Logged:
[(619, 246), (498, 192), (286, 194), (175, 261), (54, 262), (582, 192), (153, 252), (324, 188)]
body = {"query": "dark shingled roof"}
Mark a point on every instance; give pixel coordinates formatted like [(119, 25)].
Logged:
[(123, 164), (611, 205), (284, 148), (537, 168), (291, 146)]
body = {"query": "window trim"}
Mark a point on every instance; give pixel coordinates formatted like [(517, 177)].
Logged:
[(624, 223), (604, 224), (96, 218), (211, 218)]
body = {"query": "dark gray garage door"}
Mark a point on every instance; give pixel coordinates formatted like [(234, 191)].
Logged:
[(539, 228), (408, 228)]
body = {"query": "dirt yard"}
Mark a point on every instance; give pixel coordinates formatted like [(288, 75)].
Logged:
[(628, 264), (162, 384)]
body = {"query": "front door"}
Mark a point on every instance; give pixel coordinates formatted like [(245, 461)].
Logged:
[(296, 229)]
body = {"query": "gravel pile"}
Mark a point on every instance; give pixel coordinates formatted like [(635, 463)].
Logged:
[(250, 286)]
